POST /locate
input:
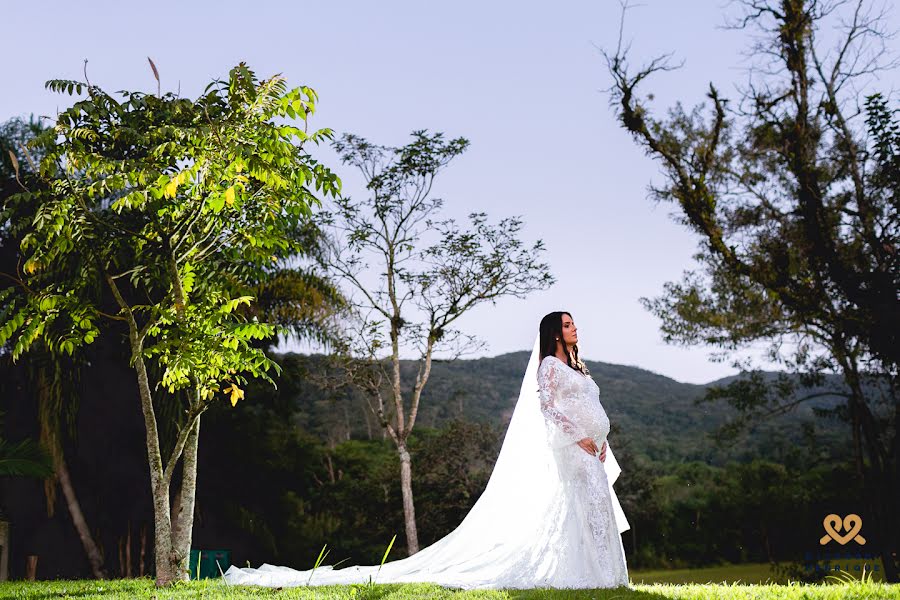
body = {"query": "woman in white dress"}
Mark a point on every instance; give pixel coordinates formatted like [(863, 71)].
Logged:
[(577, 429), (548, 518)]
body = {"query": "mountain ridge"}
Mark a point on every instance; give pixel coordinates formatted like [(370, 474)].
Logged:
[(651, 414)]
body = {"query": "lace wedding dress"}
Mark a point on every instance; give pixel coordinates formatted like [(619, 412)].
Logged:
[(548, 518)]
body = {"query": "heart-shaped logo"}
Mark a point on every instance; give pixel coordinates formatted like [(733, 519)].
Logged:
[(852, 524)]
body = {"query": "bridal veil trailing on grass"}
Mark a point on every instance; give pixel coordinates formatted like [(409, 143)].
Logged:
[(527, 530)]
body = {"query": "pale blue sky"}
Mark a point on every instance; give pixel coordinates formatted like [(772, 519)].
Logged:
[(521, 80)]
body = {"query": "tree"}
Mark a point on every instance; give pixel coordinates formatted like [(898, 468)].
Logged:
[(411, 277), (451, 482), (49, 379), (161, 214), (795, 201)]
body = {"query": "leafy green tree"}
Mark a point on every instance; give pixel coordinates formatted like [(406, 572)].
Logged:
[(449, 483), (795, 200), (411, 276), (161, 214), (51, 376)]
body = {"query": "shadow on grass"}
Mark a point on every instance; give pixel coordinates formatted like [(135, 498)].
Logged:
[(422, 591), (435, 592), (594, 594), (218, 590)]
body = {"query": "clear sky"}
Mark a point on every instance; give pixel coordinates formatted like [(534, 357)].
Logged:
[(522, 80)]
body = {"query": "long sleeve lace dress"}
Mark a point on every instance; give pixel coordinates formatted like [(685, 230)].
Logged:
[(571, 407)]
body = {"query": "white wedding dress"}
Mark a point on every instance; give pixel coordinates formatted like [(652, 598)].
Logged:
[(548, 518)]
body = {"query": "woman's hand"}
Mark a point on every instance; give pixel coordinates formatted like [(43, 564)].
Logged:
[(590, 446)]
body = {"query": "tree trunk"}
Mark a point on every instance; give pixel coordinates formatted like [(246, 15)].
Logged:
[(159, 487), (174, 504), (368, 423), (346, 423), (766, 545), (121, 558), (329, 465), (409, 510), (633, 539), (183, 529), (880, 502), (81, 526), (885, 519), (50, 439), (143, 550), (129, 573), (166, 567), (31, 562), (4, 550), (878, 484)]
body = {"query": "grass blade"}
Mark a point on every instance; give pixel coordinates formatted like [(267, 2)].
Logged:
[(384, 558), (322, 555)]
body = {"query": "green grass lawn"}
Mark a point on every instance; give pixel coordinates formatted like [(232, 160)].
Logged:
[(647, 585), (753, 573)]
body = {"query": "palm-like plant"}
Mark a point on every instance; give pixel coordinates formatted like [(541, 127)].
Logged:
[(23, 459), (297, 296)]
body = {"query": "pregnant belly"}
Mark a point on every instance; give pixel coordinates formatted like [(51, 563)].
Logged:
[(595, 423)]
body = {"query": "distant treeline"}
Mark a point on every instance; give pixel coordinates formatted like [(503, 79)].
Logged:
[(291, 469)]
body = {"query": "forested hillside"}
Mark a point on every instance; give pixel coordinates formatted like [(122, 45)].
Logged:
[(652, 415)]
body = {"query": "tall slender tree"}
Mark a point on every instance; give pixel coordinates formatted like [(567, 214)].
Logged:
[(411, 276)]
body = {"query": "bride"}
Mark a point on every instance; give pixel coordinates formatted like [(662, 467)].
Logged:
[(548, 518)]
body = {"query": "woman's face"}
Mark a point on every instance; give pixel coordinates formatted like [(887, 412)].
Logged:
[(570, 333)]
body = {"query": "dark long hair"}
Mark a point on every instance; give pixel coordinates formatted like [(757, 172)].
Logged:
[(551, 331)]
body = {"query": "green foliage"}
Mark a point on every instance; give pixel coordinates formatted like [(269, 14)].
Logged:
[(176, 207), (659, 418), (430, 273), (297, 493), (793, 197), (794, 204), (883, 126), (433, 270), (23, 459), (162, 213), (15, 158), (287, 444), (449, 482)]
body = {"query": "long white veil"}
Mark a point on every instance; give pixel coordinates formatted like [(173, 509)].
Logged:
[(505, 534)]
